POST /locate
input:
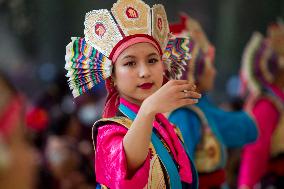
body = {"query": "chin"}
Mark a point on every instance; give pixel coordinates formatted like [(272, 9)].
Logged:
[(143, 97)]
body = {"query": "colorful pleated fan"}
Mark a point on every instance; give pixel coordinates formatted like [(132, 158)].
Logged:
[(176, 57), (86, 66)]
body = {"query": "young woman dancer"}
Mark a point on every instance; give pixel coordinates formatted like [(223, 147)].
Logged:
[(130, 48)]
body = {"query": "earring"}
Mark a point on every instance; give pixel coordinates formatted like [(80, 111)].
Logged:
[(112, 82)]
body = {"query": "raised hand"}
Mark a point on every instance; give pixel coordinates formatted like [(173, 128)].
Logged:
[(172, 95)]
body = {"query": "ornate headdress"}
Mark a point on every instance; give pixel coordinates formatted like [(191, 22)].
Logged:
[(262, 58), (202, 50), (89, 60), (275, 33)]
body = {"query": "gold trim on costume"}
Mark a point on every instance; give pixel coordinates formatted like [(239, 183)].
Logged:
[(208, 153)]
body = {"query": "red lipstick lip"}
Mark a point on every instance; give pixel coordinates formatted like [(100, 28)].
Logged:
[(146, 85)]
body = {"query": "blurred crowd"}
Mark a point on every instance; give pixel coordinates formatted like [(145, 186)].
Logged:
[(46, 142)]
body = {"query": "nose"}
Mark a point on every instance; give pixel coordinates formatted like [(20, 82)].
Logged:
[(144, 70)]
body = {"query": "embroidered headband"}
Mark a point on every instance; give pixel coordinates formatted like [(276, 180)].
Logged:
[(89, 60), (133, 41)]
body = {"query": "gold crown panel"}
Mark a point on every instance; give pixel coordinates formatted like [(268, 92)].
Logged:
[(132, 16), (160, 25), (101, 31)]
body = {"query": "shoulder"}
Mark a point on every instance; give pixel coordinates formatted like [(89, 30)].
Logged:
[(265, 104), (112, 123), (105, 130), (266, 109), (183, 112), (184, 116)]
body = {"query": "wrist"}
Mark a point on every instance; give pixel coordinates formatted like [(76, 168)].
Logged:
[(147, 109)]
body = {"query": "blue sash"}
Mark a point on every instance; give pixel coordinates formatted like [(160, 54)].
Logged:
[(165, 157)]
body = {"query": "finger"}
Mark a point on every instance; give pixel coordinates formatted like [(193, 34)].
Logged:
[(189, 94), (184, 102), (188, 101), (192, 94), (185, 87), (182, 95), (179, 82), (193, 88)]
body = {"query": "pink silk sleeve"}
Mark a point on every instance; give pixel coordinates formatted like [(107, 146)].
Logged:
[(110, 160), (255, 156)]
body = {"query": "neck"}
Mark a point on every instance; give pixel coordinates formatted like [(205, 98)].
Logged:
[(132, 100), (279, 79)]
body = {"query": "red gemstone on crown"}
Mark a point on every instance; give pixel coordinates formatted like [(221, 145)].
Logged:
[(100, 29), (160, 24), (131, 13)]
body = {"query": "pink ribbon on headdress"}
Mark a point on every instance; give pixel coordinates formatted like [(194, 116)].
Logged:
[(112, 101)]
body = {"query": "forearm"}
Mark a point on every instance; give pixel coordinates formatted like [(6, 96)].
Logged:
[(137, 140), (169, 97)]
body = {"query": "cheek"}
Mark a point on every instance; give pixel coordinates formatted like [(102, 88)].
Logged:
[(120, 73), (159, 70), (208, 72), (123, 77), (212, 73), (204, 78)]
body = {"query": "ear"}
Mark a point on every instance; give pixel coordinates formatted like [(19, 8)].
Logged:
[(113, 79)]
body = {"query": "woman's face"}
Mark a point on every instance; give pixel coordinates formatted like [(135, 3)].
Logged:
[(138, 72), (207, 78)]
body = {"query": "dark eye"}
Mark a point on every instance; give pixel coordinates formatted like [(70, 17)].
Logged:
[(130, 63), (153, 60)]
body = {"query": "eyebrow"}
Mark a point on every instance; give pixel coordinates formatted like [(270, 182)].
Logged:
[(130, 56), (153, 54)]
